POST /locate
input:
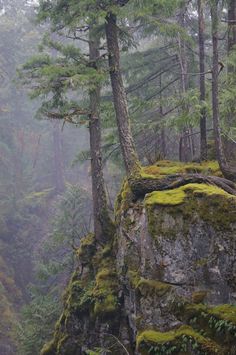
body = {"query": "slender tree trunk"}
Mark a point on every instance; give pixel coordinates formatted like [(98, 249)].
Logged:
[(119, 96), (201, 40), (185, 147), (58, 175), (100, 210), (231, 25), (228, 144), (215, 99), (163, 133)]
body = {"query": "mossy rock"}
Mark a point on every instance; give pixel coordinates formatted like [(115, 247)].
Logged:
[(123, 200), (178, 196), (210, 203), (152, 287), (87, 248), (178, 341), (105, 293), (165, 168)]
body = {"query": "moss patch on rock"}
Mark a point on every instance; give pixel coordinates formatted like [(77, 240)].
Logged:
[(205, 202), (105, 293), (91, 296), (176, 342), (87, 248), (152, 287), (164, 168), (177, 196)]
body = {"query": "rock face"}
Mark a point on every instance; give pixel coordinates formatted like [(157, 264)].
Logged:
[(164, 284)]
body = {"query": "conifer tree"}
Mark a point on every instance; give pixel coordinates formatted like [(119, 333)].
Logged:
[(225, 168), (201, 41), (119, 95), (55, 77)]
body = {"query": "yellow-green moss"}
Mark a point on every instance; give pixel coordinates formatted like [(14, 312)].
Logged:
[(123, 200), (177, 196), (189, 202), (87, 248), (225, 311), (164, 168), (150, 337), (169, 197), (105, 293), (80, 296), (152, 287)]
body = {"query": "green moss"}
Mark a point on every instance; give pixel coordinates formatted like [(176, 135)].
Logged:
[(91, 293), (225, 311), (152, 287), (177, 196), (105, 293), (123, 201), (87, 248), (164, 168), (218, 322), (80, 296), (169, 197), (188, 204), (177, 339)]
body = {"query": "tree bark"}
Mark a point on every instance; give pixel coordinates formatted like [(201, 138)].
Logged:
[(119, 96), (163, 131), (231, 25), (185, 151), (215, 86), (100, 210), (226, 170), (141, 186), (201, 40)]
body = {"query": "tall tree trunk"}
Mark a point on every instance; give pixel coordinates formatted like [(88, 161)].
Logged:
[(201, 40), (185, 146), (163, 131), (100, 210), (229, 145), (58, 176), (228, 173), (231, 24), (119, 96)]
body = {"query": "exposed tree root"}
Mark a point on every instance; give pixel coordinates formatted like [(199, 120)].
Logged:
[(228, 172), (141, 186)]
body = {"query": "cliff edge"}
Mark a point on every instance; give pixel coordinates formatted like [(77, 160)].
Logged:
[(165, 283)]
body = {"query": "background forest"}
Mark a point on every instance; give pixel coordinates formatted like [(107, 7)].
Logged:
[(178, 64)]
